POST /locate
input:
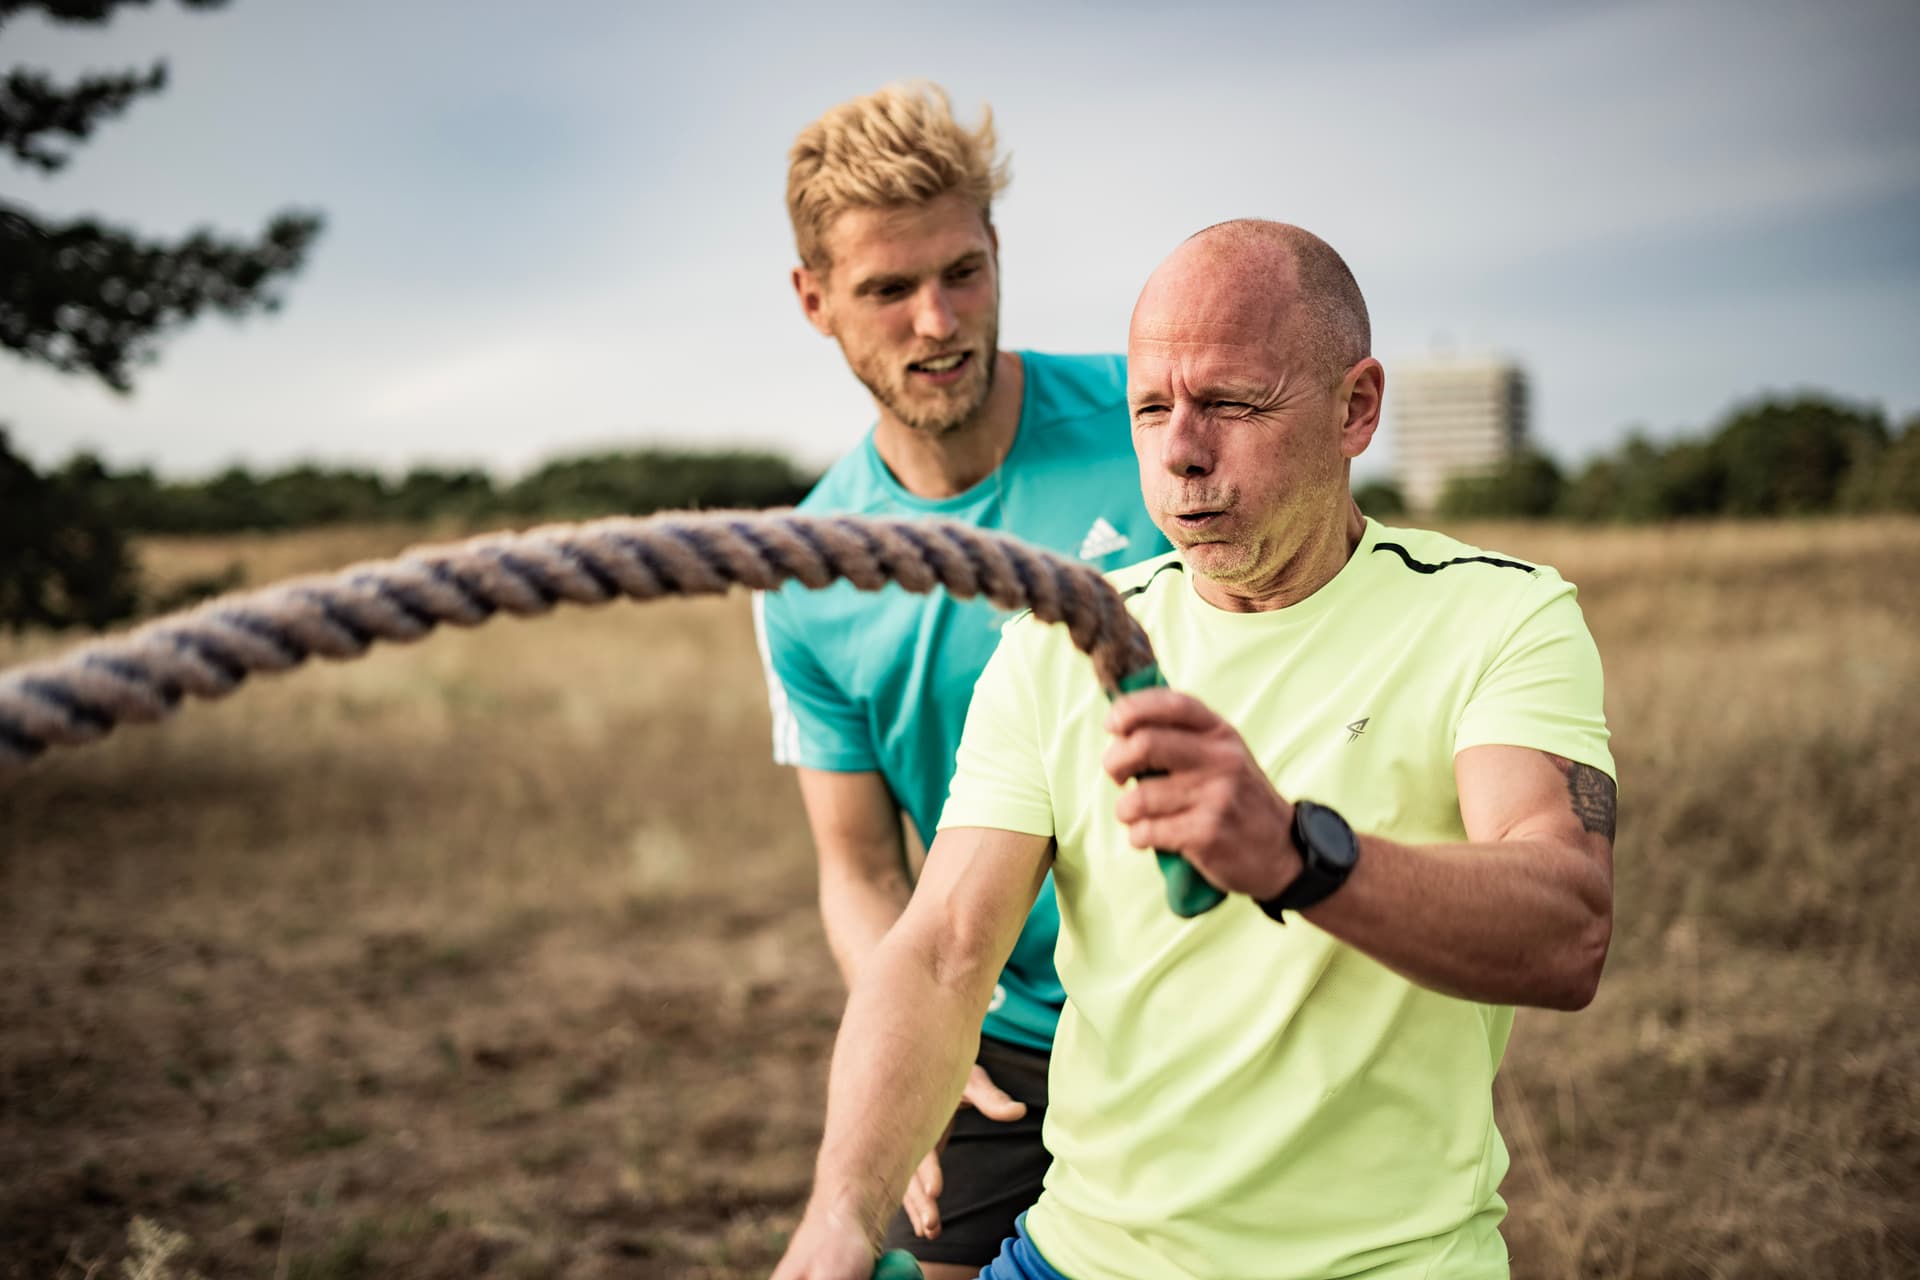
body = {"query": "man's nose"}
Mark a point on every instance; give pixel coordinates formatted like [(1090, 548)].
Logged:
[(933, 317), (1188, 450)]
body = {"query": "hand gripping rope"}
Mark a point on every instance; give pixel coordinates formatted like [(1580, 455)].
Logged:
[(208, 651)]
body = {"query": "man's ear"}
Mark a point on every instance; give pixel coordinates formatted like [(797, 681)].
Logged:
[(1365, 389), (812, 292)]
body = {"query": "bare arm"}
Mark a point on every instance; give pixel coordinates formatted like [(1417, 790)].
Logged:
[(863, 861), (908, 1039), (1521, 913), (863, 889)]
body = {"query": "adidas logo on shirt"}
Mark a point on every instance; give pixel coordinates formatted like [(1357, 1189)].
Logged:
[(1102, 540)]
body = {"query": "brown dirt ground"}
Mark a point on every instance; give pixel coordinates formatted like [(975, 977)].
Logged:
[(498, 954)]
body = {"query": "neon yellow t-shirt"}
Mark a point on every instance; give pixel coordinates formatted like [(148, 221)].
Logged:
[(1229, 1097)]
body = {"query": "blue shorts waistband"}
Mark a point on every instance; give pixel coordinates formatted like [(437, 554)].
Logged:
[(1019, 1259)]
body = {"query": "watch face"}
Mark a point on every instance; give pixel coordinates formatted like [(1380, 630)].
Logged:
[(1328, 835)]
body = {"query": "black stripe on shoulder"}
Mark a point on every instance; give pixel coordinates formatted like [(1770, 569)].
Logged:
[(1131, 592), (1421, 566)]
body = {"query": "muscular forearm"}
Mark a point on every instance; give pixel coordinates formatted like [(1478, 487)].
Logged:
[(906, 1043), (1506, 922), (857, 909), (1519, 913)]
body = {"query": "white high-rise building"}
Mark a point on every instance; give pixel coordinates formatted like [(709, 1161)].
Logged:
[(1453, 416)]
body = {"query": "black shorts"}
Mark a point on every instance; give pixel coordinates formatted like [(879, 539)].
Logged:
[(991, 1170)]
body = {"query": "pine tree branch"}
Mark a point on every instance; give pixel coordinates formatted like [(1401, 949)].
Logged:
[(85, 297), (84, 10), (32, 107)]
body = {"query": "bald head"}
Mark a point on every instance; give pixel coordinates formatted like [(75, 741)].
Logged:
[(1251, 392), (1306, 284)]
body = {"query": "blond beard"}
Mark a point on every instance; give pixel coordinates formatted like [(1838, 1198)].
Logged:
[(892, 399)]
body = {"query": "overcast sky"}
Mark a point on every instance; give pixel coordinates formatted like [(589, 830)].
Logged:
[(559, 225)]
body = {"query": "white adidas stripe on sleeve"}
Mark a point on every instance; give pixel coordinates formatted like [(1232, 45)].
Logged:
[(786, 726)]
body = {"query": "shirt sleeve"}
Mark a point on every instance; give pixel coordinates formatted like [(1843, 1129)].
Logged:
[(815, 724), (1543, 688), (1000, 777)]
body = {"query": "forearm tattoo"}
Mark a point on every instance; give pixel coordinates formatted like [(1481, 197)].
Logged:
[(1594, 795)]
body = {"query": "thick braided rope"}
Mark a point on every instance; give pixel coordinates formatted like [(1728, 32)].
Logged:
[(206, 652)]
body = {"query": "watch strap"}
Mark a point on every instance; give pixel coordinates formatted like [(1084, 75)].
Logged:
[(1316, 882)]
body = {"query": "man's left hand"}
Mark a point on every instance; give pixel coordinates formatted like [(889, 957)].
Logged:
[(1212, 804)]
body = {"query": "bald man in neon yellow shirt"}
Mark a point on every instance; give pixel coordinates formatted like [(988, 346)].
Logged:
[(1388, 752)]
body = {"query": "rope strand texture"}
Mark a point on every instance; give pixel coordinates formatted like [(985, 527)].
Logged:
[(208, 651)]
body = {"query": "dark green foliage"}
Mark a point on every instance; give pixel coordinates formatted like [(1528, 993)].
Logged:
[(1783, 458), (426, 493), (1689, 480), (626, 483), (84, 297), (1379, 499), (85, 10), (1808, 455), (236, 500), (1526, 486), (87, 297), (655, 480), (1644, 481), (63, 560), (33, 106), (1889, 480)]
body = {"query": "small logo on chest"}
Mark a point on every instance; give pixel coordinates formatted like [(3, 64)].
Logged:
[(1357, 728), (1102, 540)]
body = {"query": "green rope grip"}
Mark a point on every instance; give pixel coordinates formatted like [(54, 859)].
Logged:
[(1188, 893), (897, 1264)]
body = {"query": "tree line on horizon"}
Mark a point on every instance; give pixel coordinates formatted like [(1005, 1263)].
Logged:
[(65, 535), (309, 494), (65, 558), (1805, 455)]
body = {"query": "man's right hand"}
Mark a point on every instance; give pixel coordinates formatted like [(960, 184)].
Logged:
[(827, 1247)]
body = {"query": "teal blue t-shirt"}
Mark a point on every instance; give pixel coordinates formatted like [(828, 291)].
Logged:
[(862, 680)]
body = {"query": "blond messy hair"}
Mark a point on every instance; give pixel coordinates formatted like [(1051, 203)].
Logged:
[(899, 146)]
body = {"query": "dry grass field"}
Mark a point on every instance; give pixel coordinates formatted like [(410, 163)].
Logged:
[(498, 954)]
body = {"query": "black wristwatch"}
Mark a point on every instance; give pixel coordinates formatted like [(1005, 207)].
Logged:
[(1328, 850)]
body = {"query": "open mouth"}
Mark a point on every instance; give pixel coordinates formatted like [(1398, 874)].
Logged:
[(942, 368), (1197, 519)]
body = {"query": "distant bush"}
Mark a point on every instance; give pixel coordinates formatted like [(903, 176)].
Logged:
[(63, 559), (1380, 499), (1526, 486), (1888, 481), (656, 480), (1808, 455), (633, 482), (1643, 481), (1783, 458)]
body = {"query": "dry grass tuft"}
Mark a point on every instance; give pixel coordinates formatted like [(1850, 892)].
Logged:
[(499, 953)]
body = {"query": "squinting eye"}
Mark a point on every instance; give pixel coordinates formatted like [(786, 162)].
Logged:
[(963, 273)]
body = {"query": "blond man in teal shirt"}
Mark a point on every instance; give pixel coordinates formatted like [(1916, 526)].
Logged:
[(891, 204)]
